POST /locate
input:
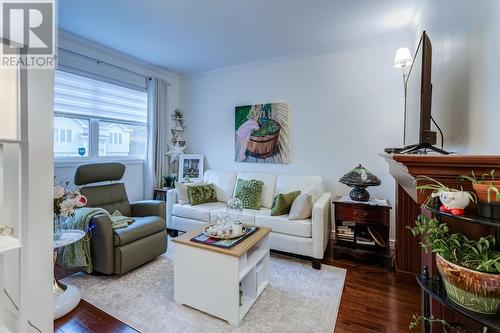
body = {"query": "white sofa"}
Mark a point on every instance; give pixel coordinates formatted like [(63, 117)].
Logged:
[(307, 237)]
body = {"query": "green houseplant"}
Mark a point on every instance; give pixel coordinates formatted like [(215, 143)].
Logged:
[(487, 190), (453, 201), (449, 327), (470, 269)]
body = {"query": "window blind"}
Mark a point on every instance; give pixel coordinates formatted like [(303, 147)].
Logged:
[(80, 96)]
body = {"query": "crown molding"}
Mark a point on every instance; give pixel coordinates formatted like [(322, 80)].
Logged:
[(342, 47), (78, 44)]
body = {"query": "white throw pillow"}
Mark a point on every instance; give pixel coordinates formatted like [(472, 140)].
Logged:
[(301, 207), (182, 192)]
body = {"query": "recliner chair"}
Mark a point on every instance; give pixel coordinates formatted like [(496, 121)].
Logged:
[(121, 250)]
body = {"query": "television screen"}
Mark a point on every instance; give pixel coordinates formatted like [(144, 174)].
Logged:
[(419, 95), (414, 84)]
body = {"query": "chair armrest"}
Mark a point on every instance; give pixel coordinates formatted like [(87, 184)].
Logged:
[(102, 244), (321, 225), (171, 201), (148, 208)]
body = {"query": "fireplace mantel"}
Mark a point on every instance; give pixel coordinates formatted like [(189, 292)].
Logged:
[(409, 257)]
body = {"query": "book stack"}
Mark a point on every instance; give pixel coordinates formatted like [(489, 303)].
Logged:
[(345, 232), (364, 238)]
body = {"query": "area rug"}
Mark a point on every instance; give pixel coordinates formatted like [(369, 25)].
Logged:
[(298, 299)]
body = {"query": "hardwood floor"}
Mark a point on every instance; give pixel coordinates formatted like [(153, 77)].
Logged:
[(372, 301)]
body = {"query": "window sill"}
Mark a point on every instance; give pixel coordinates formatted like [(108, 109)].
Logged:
[(74, 162)]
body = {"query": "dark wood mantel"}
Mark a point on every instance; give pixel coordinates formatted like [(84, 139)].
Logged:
[(445, 168), (409, 257)]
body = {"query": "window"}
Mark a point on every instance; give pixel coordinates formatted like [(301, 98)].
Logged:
[(62, 135), (97, 119), (71, 136)]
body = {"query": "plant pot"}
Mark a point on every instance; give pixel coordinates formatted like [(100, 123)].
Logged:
[(489, 211), (457, 328), (473, 290), (481, 191), (454, 201)]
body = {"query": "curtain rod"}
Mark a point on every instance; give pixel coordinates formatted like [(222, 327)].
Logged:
[(105, 63)]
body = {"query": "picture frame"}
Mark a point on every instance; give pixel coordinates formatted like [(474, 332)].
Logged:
[(190, 168)]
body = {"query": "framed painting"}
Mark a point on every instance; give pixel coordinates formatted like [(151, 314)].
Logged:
[(191, 168), (262, 133)]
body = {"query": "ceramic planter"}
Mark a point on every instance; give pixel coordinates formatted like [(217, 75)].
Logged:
[(481, 191), (473, 290), (454, 201), (488, 209)]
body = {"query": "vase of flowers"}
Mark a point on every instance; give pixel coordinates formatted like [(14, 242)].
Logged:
[(65, 203)]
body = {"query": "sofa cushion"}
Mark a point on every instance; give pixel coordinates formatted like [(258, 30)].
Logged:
[(269, 181), (200, 194), (306, 184), (249, 192), (301, 207), (247, 217), (223, 181), (282, 203), (182, 192), (198, 212), (142, 227), (281, 224)]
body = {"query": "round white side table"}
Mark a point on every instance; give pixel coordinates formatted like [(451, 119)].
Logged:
[(66, 298)]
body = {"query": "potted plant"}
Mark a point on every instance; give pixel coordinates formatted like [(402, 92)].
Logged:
[(470, 269), (453, 201), (449, 327), (487, 190)]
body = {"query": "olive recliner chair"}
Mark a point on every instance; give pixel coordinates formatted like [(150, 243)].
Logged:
[(121, 250)]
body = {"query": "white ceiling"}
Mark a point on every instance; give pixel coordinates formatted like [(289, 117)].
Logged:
[(189, 36)]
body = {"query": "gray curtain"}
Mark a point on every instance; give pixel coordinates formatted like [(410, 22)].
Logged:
[(155, 166)]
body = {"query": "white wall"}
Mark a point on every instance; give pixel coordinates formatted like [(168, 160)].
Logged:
[(346, 107), (134, 175), (466, 71)]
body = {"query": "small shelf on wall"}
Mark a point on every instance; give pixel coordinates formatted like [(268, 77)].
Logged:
[(8, 243), (9, 141)]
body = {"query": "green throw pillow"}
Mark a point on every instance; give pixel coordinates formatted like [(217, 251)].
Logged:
[(200, 194), (283, 202), (249, 192)]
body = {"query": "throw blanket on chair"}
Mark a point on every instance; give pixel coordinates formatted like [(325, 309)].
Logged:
[(78, 254)]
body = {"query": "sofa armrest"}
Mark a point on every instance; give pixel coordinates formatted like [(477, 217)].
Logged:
[(321, 225), (148, 208), (171, 201), (102, 244)]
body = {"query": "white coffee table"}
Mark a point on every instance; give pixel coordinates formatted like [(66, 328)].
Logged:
[(209, 279), (66, 297)]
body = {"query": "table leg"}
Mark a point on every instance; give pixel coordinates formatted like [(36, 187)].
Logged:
[(66, 298)]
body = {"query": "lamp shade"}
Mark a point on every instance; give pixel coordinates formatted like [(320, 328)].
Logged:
[(403, 58), (359, 178)]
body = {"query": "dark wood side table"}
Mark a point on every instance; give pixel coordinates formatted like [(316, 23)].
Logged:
[(359, 217), (161, 193)]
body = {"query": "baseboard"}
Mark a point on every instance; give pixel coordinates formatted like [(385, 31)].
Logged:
[(392, 242)]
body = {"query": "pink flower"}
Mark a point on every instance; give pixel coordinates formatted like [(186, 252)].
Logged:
[(80, 200), (58, 192)]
